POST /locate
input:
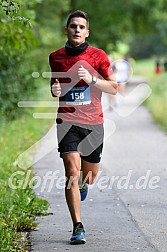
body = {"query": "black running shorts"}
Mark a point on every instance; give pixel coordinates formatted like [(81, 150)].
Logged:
[(82, 138)]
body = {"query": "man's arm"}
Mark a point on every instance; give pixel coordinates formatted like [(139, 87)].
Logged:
[(55, 88), (109, 85), (54, 83)]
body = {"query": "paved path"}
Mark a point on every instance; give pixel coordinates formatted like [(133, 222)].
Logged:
[(116, 219)]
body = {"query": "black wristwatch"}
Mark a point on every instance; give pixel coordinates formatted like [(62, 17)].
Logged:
[(94, 80)]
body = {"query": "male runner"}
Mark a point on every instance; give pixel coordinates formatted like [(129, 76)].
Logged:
[(79, 75)]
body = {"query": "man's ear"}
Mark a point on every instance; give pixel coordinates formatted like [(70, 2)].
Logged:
[(87, 35)]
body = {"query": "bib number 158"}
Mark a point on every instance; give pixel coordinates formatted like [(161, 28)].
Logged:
[(77, 96)]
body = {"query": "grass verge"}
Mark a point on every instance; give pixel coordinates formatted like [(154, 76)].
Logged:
[(157, 102), (18, 207)]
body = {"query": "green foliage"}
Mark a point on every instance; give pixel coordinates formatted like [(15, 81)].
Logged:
[(18, 211), (152, 39), (157, 103), (51, 23), (142, 47), (9, 7), (18, 207), (16, 37), (113, 21), (16, 84)]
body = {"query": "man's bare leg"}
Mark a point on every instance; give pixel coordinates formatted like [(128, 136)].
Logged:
[(89, 170), (72, 172)]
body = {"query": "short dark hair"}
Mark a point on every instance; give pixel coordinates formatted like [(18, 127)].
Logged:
[(78, 13)]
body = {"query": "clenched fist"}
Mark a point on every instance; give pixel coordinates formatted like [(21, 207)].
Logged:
[(56, 89), (84, 75)]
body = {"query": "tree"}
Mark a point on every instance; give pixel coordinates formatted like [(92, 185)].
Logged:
[(16, 40), (16, 35), (112, 21)]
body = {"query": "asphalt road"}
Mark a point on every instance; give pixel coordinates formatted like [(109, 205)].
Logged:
[(126, 209)]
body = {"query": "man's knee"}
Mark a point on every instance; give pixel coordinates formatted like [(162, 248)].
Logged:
[(71, 168), (72, 172)]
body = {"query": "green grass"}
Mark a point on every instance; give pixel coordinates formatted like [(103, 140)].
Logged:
[(19, 207), (144, 67), (157, 102)]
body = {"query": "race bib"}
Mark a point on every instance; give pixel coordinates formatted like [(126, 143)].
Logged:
[(78, 95)]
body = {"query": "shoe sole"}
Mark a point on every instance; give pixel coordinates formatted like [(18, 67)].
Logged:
[(76, 242)]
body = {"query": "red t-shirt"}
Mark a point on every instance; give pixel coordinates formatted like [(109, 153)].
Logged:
[(64, 67)]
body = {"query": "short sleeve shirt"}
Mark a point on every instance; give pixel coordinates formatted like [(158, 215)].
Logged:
[(65, 67)]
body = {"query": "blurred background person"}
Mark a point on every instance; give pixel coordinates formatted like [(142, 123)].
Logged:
[(158, 68), (122, 70)]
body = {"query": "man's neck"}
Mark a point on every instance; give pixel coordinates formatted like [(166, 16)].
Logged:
[(72, 45), (75, 50)]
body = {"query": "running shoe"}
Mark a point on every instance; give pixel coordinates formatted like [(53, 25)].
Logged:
[(78, 235), (83, 191)]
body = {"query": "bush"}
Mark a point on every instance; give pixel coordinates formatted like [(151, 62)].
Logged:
[(16, 83), (17, 39)]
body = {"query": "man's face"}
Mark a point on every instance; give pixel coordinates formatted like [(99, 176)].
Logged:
[(77, 31)]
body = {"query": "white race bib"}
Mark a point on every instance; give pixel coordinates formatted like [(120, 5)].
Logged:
[(77, 95)]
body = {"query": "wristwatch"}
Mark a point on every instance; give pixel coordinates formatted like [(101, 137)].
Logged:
[(94, 80)]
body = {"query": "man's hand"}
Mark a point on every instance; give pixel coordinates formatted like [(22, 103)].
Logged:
[(84, 75), (56, 89)]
